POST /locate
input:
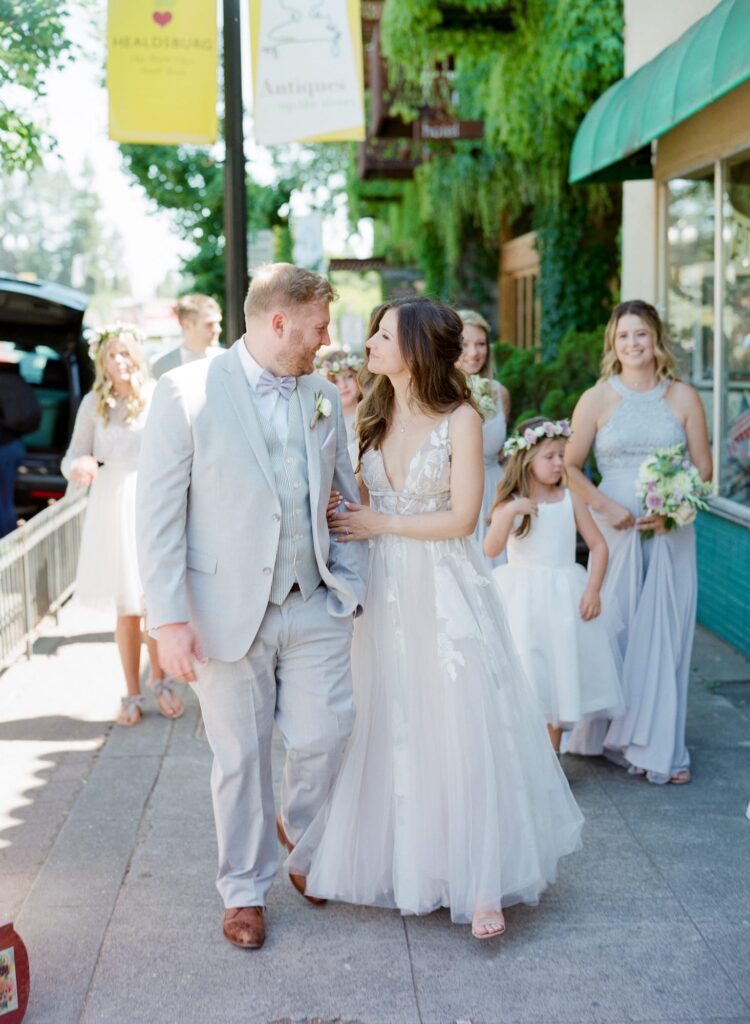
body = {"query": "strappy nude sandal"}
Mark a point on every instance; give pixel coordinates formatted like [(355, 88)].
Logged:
[(681, 778), (163, 690), (128, 707), (488, 919)]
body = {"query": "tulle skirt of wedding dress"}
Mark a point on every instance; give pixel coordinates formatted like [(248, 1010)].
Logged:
[(107, 576), (450, 794)]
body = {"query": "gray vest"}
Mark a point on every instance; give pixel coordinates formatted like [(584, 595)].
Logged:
[(295, 559)]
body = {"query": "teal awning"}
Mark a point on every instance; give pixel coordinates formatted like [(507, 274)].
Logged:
[(710, 59)]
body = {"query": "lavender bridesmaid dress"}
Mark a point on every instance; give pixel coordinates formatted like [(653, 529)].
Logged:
[(651, 587), (494, 432)]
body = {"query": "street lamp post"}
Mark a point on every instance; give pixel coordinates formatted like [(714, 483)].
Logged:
[(235, 197)]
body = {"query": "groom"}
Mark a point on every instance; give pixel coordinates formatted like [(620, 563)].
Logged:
[(248, 597)]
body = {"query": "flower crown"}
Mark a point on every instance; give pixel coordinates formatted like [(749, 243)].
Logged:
[(351, 361), (109, 331), (530, 436)]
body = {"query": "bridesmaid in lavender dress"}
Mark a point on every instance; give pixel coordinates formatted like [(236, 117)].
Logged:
[(476, 358), (651, 585)]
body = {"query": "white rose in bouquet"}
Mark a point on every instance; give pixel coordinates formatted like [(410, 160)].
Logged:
[(684, 515)]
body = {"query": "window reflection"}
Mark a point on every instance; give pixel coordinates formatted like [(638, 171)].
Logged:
[(734, 478), (690, 280)]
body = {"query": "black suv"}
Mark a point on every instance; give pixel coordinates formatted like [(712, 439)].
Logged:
[(41, 326)]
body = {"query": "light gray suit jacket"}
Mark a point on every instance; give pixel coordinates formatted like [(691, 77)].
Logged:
[(167, 362), (173, 359), (208, 511)]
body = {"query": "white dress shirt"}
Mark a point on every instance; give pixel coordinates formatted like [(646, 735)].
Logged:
[(271, 405)]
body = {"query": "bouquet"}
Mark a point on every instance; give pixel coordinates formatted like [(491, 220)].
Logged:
[(483, 394), (669, 486)]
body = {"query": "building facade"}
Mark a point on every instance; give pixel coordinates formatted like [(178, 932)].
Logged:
[(680, 122)]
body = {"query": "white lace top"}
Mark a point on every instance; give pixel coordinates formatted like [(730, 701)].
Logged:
[(115, 442)]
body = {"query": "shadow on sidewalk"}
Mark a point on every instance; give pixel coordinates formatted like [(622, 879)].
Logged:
[(56, 755), (46, 645), (52, 728)]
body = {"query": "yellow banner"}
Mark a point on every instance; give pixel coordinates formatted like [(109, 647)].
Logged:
[(162, 58), (307, 71)]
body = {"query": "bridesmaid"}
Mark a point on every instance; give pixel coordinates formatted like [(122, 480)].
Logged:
[(476, 358), (637, 406), (103, 457)]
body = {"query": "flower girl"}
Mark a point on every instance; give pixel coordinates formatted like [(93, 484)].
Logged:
[(553, 606)]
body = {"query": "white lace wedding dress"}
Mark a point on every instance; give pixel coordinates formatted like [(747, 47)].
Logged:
[(450, 794)]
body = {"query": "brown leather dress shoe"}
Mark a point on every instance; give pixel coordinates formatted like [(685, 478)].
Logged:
[(245, 927), (298, 881)]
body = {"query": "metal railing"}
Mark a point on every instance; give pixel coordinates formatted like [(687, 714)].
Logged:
[(37, 569)]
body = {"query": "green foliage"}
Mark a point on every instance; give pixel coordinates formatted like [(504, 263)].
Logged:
[(532, 86), (32, 42), (578, 265), (189, 182), (549, 388), (52, 229)]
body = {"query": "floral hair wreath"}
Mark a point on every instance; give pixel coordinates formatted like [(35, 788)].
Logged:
[(532, 435), (108, 331), (352, 362)]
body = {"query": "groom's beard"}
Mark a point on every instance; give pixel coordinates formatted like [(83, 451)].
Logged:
[(299, 358)]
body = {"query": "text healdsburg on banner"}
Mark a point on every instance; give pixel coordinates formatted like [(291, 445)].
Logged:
[(162, 71)]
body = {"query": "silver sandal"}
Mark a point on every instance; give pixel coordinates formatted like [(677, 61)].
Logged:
[(165, 687), (128, 704)]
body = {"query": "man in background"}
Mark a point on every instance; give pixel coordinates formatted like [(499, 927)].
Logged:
[(20, 414), (200, 321)]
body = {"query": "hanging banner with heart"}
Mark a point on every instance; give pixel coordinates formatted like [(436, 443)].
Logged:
[(307, 70), (162, 71)]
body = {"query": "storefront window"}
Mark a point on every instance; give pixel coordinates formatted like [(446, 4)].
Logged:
[(734, 478), (690, 279)]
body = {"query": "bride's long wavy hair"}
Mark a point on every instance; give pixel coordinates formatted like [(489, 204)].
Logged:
[(429, 340)]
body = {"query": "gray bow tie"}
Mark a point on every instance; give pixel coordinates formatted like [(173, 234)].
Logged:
[(267, 383)]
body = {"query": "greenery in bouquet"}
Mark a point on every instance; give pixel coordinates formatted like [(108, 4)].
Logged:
[(669, 485)]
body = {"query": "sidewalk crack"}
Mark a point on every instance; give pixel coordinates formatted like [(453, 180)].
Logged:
[(411, 970)]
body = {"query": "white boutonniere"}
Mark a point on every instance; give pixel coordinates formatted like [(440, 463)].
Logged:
[(323, 408)]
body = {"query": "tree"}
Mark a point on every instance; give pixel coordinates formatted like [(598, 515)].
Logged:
[(189, 182), (530, 71), (51, 228), (33, 41)]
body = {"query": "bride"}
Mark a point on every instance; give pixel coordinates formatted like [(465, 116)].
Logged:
[(450, 794)]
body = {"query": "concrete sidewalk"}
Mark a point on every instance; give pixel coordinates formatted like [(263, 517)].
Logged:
[(107, 861)]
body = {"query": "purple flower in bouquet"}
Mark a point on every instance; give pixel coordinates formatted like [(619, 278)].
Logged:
[(670, 486)]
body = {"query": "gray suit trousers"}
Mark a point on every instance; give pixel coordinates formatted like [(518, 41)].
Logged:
[(297, 674)]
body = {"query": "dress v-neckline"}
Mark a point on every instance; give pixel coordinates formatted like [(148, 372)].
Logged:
[(413, 459)]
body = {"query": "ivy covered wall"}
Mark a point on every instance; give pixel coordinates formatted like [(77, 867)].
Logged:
[(530, 70)]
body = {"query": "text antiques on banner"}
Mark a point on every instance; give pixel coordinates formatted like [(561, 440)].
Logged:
[(162, 70), (307, 71)]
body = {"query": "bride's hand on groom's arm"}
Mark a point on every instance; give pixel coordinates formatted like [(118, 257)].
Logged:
[(359, 522), (179, 649), (333, 503)]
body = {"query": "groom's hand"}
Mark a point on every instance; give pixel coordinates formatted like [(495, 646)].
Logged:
[(178, 651)]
